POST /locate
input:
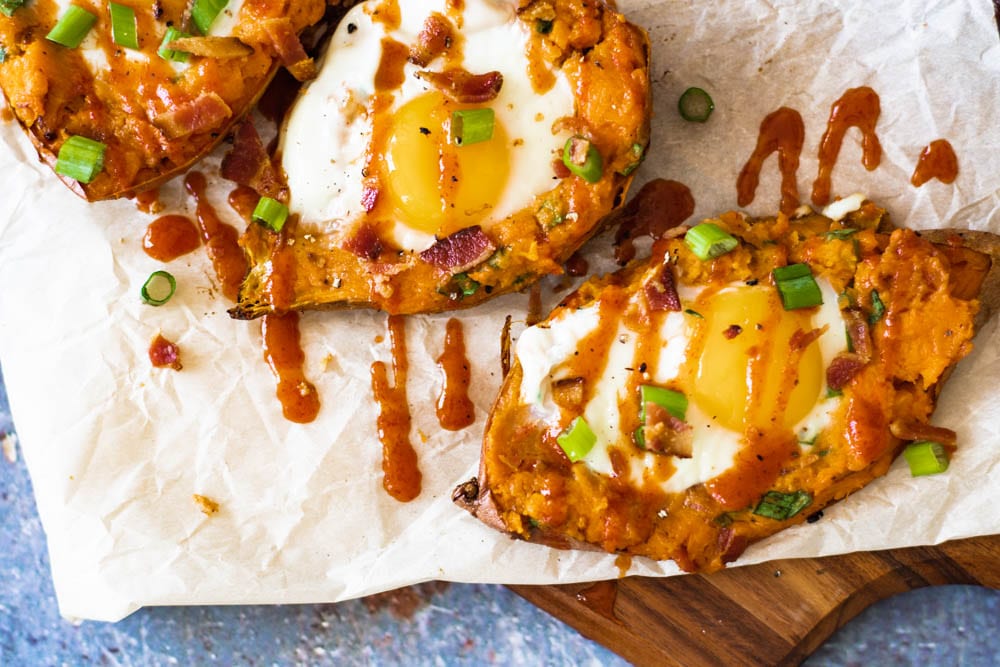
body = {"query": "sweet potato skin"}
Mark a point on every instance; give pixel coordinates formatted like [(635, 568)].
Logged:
[(528, 489)]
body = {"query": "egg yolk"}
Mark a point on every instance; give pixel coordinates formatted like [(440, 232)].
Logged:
[(435, 185), (748, 376)]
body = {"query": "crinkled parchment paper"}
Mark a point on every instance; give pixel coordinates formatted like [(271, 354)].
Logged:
[(116, 448)]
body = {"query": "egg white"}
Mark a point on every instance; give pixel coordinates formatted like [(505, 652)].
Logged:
[(328, 129)]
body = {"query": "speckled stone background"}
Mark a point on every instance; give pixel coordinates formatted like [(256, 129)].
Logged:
[(430, 624)]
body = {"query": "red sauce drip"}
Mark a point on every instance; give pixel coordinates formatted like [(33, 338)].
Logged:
[(283, 354), (660, 205), (390, 74), (937, 160), (454, 409), (170, 236), (402, 476), (577, 265), (387, 13), (164, 354), (781, 131), (278, 98), (221, 239), (860, 108), (148, 201), (243, 199), (600, 597), (757, 466)]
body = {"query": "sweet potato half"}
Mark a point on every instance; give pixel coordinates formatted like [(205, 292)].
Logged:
[(910, 303), (319, 264), (156, 116)]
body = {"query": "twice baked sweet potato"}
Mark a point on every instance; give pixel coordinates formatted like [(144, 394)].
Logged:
[(683, 408), (154, 114), (366, 243)]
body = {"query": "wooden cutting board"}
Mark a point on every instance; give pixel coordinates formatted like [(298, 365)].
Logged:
[(775, 613)]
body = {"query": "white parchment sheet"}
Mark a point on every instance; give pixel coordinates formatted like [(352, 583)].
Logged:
[(116, 448)]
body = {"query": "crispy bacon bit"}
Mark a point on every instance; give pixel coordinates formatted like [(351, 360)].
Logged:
[(661, 292), (915, 430), (860, 333), (568, 394), (369, 197), (205, 113), (731, 544), (733, 331), (434, 39), (842, 370), (461, 86), (460, 251), (249, 164), (365, 243), (800, 340), (560, 169), (164, 354), (211, 47), (665, 434), (285, 41)]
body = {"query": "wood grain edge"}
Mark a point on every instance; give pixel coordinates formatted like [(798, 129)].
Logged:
[(774, 613)]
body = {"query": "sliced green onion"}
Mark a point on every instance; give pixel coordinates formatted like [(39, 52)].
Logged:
[(638, 153), (694, 313), (797, 287), (672, 401), (72, 27), (577, 440), (204, 13), (708, 241), (80, 158), (695, 105), (543, 26), (8, 7), (472, 126), (780, 506), (123, 26), (878, 308), (840, 234), (171, 54), (582, 158), (271, 213), (926, 457), (158, 288), (834, 393)]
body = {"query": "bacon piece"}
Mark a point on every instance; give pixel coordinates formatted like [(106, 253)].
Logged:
[(568, 394), (661, 292), (842, 370), (461, 86), (666, 434), (917, 430), (248, 163), (434, 39), (460, 251), (211, 47), (860, 333), (731, 544), (369, 197), (365, 243), (291, 53), (205, 113), (732, 331)]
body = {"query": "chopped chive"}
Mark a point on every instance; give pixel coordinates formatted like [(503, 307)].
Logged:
[(577, 440), (840, 233), (465, 284), (8, 7), (123, 25), (695, 105), (694, 313), (472, 126), (170, 54), (638, 153), (672, 401), (204, 13), (724, 519), (72, 27), (271, 213), (926, 457), (80, 158), (878, 308), (797, 287), (780, 506), (582, 158), (543, 26), (158, 288), (834, 393), (708, 241)]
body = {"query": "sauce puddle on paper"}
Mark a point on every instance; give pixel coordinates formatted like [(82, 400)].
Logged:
[(938, 161), (401, 471), (148, 201), (781, 131), (857, 107), (454, 409), (169, 237), (283, 354), (220, 239), (660, 206), (243, 199)]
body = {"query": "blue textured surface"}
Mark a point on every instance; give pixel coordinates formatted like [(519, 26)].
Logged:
[(432, 624)]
